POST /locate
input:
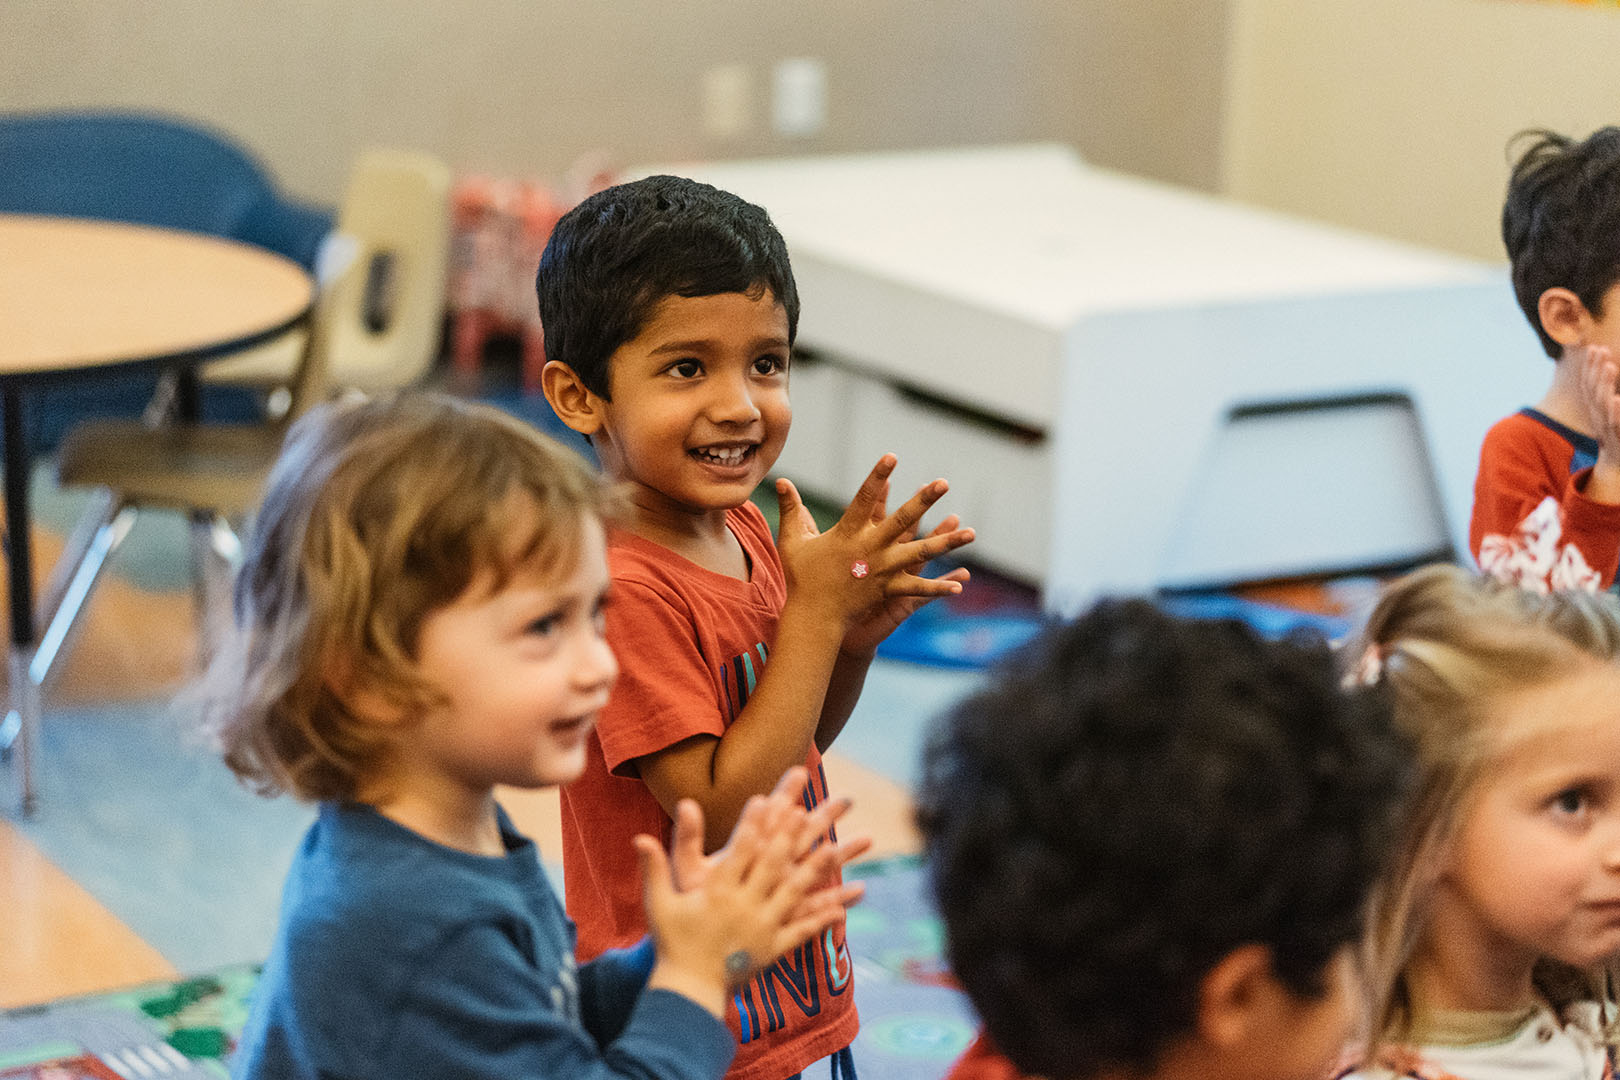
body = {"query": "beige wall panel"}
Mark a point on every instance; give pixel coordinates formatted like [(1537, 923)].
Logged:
[(1394, 115), (1137, 86), (527, 86)]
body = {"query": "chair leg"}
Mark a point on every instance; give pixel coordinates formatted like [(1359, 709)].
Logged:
[(216, 552), (19, 735), (104, 505), (64, 619), (30, 669)]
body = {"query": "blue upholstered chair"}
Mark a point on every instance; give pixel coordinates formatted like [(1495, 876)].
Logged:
[(150, 170), (145, 169)]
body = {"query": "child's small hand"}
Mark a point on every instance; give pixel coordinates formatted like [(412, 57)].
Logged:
[(868, 558), (762, 894), (1600, 385), (865, 636), (781, 810), (1600, 389)]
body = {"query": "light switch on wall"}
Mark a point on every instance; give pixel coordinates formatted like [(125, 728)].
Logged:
[(799, 103), (727, 101)]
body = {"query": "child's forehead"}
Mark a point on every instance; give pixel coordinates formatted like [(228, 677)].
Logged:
[(1563, 712), (674, 313), (523, 538)]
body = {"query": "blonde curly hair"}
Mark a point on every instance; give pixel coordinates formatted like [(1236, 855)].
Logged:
[(377, 513)]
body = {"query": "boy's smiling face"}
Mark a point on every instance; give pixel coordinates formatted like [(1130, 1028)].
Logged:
[(699, 410), (524, 669)]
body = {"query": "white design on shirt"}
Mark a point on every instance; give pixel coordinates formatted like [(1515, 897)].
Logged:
[(1536, 559)]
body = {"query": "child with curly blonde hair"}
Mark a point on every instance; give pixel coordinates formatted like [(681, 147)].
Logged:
[(419, 619)]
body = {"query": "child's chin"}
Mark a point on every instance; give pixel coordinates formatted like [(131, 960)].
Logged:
[(568, 770)]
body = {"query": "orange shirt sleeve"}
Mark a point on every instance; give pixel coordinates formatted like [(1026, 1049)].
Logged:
[(665, 692)]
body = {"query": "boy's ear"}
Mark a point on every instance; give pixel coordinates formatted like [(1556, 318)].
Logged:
[(361, 698), (1563, 316), (572, 401), (1234, 995)]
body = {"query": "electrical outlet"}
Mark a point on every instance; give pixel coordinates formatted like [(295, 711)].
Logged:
[(799, 104), (727, 101)]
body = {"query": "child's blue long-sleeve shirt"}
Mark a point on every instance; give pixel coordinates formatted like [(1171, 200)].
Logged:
[(400, 957)]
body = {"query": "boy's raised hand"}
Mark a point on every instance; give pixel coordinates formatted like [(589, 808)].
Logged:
[(1600, 388), (865, 568), (717, 920)]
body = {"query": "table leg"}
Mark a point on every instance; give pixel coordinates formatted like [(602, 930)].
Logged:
[(19, 732)]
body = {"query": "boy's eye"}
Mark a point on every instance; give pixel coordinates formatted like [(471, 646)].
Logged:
[(546, 624), (770, 365), (1570, 803), (686, 369)]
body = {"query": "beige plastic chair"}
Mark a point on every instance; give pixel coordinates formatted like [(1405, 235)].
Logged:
[(395, 223)]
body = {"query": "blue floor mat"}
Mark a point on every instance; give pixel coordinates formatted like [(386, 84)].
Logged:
[(991, 617), (1269, 620)]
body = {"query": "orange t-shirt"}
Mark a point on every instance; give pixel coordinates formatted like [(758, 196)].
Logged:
[(691, 645)]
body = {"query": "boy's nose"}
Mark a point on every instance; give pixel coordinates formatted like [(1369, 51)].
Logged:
[(1611, 857), (1610, 847), (597, 667), (733, 402)]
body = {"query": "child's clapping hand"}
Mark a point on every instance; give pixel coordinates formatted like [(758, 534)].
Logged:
[(717, 920), (864, 570), (1600, 392)]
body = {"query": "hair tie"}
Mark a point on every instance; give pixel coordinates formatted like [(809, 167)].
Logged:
[(1370, 668)]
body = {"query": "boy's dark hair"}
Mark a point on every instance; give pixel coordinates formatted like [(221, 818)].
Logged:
[(1131, 798), (1561, 220), (615, 256)]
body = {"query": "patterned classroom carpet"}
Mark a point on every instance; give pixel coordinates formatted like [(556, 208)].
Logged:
[(914, 1023)]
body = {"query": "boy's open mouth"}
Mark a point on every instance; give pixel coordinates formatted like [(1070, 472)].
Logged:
[(723, 455)]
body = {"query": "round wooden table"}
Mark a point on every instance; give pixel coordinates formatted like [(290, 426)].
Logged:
[(81, 297)]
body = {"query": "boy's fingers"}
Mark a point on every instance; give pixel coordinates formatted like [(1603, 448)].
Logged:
[(686, 843), (837, 897), (939, 543), (849, 850), (880, 508), (791, 782), (873, 489), (788, 503), (906, 519), (655, 881), (797, 932), (918, 552), (819, 822), (774, 871), (902, 585)]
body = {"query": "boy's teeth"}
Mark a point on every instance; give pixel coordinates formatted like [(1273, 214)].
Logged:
[(731, 456)]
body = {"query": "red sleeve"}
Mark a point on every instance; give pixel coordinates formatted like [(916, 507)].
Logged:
[(1532, 522), (981, 1062), (665, 693)]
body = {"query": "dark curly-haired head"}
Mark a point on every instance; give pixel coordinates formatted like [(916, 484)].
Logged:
[(1130, 799), (1561, 220), (613, 258)]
